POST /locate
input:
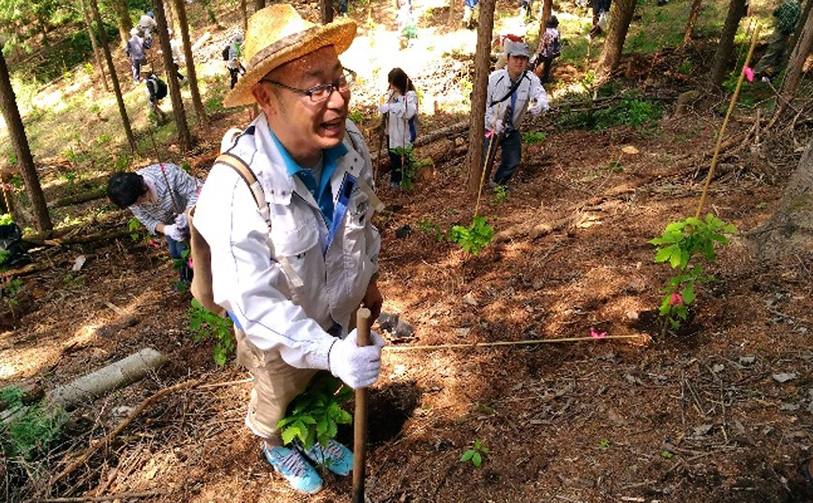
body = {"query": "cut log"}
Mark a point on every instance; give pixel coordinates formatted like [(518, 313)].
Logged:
[(83, 197), (104, 380)]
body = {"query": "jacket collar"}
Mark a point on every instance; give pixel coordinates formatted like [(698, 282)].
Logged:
[(275, 168)]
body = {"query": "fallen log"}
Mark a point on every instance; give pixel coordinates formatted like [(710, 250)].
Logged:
[(82, 197), (109, 378), (36, 238)]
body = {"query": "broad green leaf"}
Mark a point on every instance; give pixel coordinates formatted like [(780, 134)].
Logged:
[(466, 456), (476, 459), (288, 435), (688, 294), (664, 254)]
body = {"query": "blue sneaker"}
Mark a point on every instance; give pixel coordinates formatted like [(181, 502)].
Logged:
[(335, 457), (292, 466)]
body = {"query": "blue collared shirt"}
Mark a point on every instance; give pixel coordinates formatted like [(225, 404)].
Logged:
[(321, 192)]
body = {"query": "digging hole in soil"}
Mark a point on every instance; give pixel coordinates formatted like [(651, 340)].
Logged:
[(389, 407), (650, 322)]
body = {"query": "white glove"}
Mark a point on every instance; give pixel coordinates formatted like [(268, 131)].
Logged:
[(181, 221), (175, 232), (384, 108), (357, 366), (499, 127), (540, 106)]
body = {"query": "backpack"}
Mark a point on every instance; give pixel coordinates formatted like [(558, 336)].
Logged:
[(556, 47), (413, 128), (226, 53), (200, 253), (159, 89)]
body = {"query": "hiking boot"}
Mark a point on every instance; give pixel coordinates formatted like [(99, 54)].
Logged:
[(291, 465), (335, 457)]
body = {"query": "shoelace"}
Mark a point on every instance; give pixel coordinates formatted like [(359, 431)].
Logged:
[(293, 463), (331, 452)]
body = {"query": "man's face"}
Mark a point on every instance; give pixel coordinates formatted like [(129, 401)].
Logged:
[(305, 127), (516, 65)]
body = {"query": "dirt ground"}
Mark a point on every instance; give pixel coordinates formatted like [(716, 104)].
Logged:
[(693, 416)]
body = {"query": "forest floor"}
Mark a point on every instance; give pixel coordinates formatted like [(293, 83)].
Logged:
[(719, 411)]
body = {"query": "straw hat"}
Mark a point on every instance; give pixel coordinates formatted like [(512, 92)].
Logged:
[(278, 34)]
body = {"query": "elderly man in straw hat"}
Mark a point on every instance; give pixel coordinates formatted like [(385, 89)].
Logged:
[(291, 277)]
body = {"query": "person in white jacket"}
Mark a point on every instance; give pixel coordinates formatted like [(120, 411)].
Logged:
[(510, 91), (401, 110), (292, 274)]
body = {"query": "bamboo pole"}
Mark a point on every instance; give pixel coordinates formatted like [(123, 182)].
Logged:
[(731, 105), (509, 343)]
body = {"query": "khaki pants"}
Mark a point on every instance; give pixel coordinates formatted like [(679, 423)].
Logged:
[(275, 384)]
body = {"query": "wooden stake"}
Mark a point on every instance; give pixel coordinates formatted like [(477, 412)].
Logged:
[(360, 419), (731, 105)]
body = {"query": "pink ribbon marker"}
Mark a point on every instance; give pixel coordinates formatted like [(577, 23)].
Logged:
[(597, 335), (749, 73)]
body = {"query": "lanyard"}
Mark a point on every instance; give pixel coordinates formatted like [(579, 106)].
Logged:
[(348, 184)]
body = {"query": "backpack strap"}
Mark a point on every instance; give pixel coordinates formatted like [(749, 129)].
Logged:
[(248, 176)]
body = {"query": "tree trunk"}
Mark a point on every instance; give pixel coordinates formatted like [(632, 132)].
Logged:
[(797, 59), (191, 74), (111, 69), (621, 13), (547, 8), (96, 55), (687, 36), (123, 20), (16, 131), (790, 228), (172, 79), (722, 57), (799, 27), (244, 12), (326, 7), (482, 60)]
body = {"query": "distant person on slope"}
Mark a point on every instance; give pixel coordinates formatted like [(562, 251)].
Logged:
[(510, 90), (401, 110), (152, 193), (135, 51), (146, 26), (787, 15)]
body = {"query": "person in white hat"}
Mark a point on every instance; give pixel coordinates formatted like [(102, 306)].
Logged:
[(135, 51), (510, 90), (292, 274)]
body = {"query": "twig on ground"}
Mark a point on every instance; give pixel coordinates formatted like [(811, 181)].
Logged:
[(118, 429), (109, 497), (509, 343)]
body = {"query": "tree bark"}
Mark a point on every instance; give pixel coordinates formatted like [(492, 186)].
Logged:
[(722, 57), (326, 7), (790, 228), (687, 36), (797, 60), (794, 39), (191, 74), (244, 13), (123, 20), (96, 55), (172, 79), (547, 8), (111, 69), (621, 13), (16, 131), (482, 61)]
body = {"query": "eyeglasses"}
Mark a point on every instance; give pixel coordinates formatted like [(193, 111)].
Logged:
[(322, 92)]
